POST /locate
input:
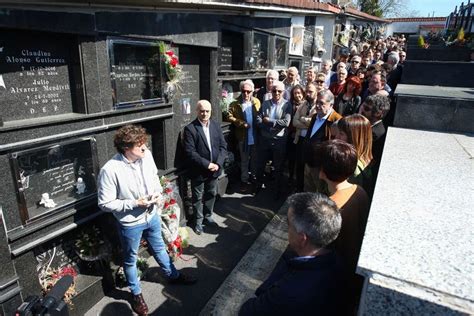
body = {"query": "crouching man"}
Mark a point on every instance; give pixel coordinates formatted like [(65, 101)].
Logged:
[(129, 188), (308, 282)]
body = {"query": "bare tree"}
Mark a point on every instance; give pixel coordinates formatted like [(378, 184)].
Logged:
[(394, 8)]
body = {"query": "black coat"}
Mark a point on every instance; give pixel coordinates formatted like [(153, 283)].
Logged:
[(197, 149)]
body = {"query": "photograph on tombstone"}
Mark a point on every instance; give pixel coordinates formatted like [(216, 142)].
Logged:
[(52, 177), (259, 54), (37, 77), (136, 73), (297, 43), (281, 51)]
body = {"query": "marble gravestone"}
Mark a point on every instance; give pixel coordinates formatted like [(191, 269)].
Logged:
[(135, 73), (37, 77), (52, 177), (259, 52)]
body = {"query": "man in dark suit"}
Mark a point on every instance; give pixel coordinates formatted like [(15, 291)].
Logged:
[(206, 150), (319, 130), (311, 280)]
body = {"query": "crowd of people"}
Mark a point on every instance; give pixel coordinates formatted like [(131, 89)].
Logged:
[(328, 129), (326, 132)]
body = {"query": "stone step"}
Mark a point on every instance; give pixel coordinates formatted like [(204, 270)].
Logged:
[(434, 108), (438, 73), (254, 268), (89, 291), (439, 53)]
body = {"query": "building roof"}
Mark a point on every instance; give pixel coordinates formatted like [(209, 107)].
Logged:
[(432, 19), (315, 5)]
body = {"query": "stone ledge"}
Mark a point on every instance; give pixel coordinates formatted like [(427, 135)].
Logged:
[(419, 230), (254, 267)]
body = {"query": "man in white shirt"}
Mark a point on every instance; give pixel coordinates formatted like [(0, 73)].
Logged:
[(206, 151), (129, 188), (273, 121), (319, 130)]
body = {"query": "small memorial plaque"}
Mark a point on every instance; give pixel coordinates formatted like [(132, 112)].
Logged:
[(135, 73), (225, 58), (36, 74), (308, 42), (259, 58), (52, 177), (281, 51)]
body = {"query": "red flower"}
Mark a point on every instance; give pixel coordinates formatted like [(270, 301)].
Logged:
[(172, 201), (173, 216), (166, 205), (174, 61), (168, 190), (169, 53)]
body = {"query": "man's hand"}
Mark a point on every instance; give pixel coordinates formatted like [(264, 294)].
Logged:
[(266, 120), (213, 167), (246, 126), (148, 200)]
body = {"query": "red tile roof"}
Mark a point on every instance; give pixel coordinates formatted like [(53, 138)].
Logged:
[(316, 5), (432, 19)]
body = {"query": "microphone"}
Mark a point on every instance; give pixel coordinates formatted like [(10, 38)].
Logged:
[(57, 292)]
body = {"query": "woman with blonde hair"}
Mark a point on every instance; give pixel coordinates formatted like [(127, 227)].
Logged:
[(357, 130)]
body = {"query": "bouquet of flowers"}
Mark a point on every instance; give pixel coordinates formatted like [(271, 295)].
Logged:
[(175, 237), (50, 276), (90, 246), (172, 68)]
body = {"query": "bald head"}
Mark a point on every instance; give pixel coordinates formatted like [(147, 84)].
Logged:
[(203, 110)]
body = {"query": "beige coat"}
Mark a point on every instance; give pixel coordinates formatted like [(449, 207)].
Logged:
[(301, 120)]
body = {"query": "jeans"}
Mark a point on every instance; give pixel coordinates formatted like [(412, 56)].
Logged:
[(204, 196), (277, 148), (131, 237), (247, 158)]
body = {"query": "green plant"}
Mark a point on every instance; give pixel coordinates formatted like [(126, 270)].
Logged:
[(89, 242), (421, 42)]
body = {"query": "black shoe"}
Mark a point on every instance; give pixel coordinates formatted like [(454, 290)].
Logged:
[(209, 221), (138, 305), (183, 279), (198, 229)]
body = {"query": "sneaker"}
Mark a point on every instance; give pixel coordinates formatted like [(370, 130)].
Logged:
[(138, 305), (183, 279)]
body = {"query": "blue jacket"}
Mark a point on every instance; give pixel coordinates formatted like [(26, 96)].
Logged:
[(300, 286)]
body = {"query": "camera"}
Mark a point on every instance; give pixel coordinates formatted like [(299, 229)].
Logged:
[(52, 304)]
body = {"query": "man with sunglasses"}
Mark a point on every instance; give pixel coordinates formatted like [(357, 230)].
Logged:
[(273, 121), (355, 65), (243, 115)]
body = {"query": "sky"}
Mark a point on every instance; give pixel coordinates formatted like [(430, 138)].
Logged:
[(425, 8)]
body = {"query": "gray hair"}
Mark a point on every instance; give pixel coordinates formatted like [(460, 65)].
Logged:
[(247, 82), (279, 85), (379, 103), (272, 73), (326, 94), (327, 62), (316, 216), (394, 57), (293, 69)]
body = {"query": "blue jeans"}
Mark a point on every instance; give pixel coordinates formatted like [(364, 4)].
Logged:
[(131, 236)]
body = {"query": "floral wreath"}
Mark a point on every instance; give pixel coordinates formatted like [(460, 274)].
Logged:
[(48, 277), (175, 237)]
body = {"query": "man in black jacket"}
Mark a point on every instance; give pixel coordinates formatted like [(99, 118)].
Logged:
[(309, 281), (206, 150)]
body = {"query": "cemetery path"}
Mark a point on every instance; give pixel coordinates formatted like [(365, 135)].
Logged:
[(210, 257)]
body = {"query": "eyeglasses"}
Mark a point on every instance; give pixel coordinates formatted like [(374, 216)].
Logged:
[(319, 81), (246, 91), (277, 91), (355, 62)]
